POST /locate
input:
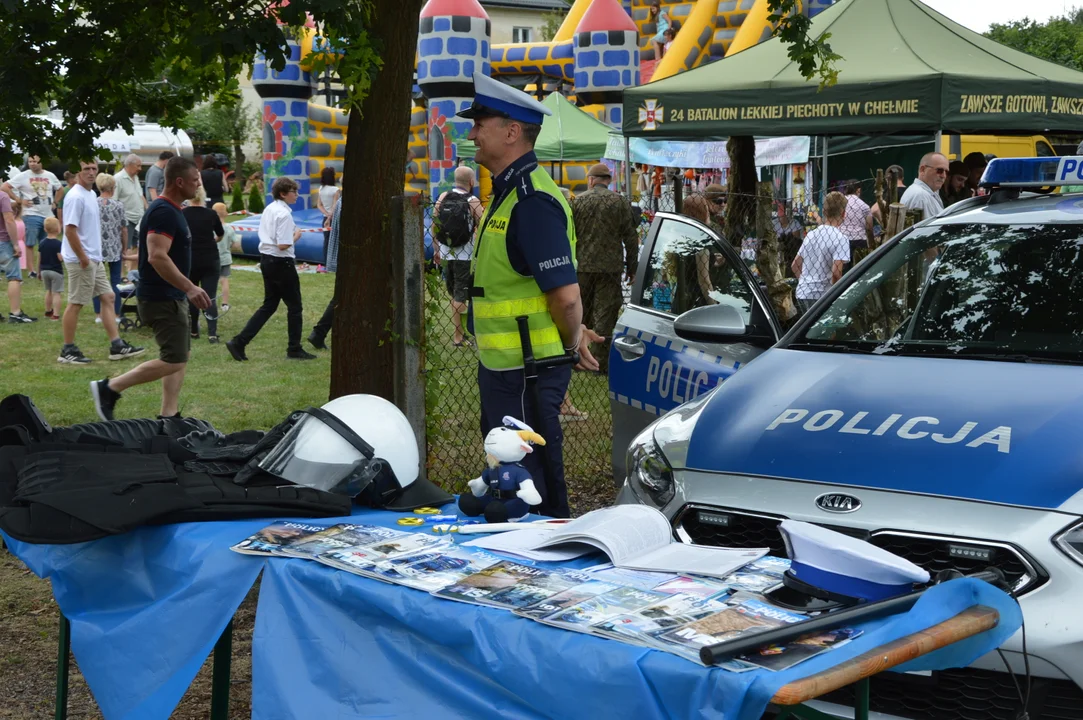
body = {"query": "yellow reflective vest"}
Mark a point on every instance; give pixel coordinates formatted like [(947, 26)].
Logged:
[(501, 294)]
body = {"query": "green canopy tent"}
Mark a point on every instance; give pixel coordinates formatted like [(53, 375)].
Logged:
[(568, 135), (905, 69)]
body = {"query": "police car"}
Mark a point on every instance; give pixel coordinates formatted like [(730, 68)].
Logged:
[(931, 403)]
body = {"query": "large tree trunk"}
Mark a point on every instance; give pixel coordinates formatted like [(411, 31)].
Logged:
[(363, 359), (741, 189)]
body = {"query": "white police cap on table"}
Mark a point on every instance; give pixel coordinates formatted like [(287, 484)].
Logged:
[(845, 565), (493, 98)]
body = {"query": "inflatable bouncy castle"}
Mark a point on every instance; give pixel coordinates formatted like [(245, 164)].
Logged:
[(601, 48)]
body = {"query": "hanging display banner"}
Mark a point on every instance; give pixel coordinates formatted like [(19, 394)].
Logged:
[(790, 150)]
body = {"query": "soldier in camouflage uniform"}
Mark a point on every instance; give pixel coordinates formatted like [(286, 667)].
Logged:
[(607, 245)]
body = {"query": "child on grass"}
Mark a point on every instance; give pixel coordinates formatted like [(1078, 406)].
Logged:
[(51, 268), (225, 255)]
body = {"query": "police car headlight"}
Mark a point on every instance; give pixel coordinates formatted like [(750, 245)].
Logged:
[(649, 475), (673, 431), (1071, 542), (662, 446)]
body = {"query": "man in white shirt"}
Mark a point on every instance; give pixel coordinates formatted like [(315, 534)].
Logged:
[(130, 194), (277, 236), (81, 251), (35, 189), (824, 252), (456, 260), (924, 194)]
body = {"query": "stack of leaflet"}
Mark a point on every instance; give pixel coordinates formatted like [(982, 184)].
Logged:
[(671, 611)]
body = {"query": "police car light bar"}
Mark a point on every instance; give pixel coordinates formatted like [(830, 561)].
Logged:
[(1033, 172)]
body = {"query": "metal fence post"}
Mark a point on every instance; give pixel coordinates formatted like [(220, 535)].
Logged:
[(408, 265), (63, 663), (220, 672)]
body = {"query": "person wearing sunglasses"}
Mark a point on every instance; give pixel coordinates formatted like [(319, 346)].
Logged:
[(924, 193), (716, 204)]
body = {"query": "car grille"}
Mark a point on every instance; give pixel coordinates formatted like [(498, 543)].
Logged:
[(725, 527), (740, 530), (966, 694), (935, 555)]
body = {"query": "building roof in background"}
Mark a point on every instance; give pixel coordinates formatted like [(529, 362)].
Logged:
[(540, 5)]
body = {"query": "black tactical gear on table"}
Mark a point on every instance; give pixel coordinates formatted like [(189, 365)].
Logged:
[(84, 482)]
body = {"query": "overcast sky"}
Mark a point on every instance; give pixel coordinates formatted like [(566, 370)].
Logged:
[(979, 14)]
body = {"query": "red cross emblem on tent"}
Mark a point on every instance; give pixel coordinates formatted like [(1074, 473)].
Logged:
[(650, 115)]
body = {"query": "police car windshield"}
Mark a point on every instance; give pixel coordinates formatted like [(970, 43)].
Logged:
[(1010, 292)]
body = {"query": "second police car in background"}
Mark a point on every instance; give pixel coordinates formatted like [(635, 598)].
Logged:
[(931, 403)]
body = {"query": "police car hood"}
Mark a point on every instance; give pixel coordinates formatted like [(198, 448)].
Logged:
[(1002, 432)]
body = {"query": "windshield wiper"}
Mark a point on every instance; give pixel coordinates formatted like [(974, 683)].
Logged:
[(914, 350), (828, 347)]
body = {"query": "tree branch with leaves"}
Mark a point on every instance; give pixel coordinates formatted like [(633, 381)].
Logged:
[(224, 125), (813, 55), (816, 60)]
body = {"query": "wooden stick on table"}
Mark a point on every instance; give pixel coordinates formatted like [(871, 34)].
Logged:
[(966, 624)]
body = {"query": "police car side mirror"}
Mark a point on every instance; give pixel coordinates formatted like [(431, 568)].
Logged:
[(711, 323)]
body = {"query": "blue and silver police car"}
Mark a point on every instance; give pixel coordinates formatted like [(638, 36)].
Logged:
[(931, 403)]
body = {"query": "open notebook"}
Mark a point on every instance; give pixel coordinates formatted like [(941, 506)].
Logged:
[(633, 536)]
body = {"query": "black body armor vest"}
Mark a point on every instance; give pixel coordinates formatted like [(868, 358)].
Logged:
[(84, 482)]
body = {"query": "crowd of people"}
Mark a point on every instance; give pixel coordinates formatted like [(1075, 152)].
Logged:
[(98, 238), (816, 245), (81, 235)]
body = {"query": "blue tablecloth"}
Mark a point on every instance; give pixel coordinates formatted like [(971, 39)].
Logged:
[(147, 607)]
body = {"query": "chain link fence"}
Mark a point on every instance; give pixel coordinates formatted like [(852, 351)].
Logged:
[(455, 453), (828, 241)]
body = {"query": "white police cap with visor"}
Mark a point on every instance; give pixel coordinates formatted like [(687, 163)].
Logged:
[(493, 98), (846, 570)]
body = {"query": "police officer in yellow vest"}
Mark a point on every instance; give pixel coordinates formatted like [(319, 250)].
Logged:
[(523, 264)]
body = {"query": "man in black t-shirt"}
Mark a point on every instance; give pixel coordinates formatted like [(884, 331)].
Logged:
[(165, 257)]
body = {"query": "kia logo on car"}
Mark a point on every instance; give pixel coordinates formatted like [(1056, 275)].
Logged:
[(838, 503)]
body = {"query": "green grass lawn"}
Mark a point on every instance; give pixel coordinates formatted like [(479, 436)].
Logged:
[(231, 395)]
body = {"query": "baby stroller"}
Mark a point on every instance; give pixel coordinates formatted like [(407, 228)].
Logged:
[(129, 309)]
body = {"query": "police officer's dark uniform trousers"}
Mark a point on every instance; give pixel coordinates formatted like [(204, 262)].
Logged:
[(502, 289)]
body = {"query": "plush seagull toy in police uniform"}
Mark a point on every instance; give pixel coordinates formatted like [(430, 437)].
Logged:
[(504, 491), (493, 98), (829, 569)]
